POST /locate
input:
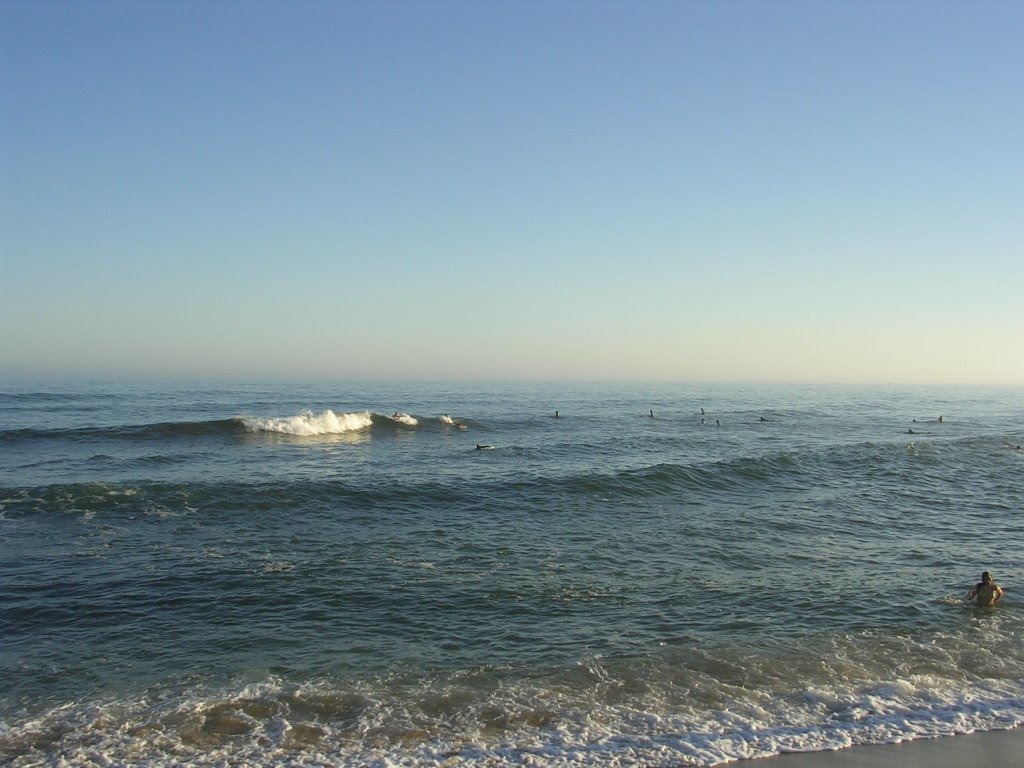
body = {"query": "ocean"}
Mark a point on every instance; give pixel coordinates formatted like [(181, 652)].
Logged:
[(381, 574)]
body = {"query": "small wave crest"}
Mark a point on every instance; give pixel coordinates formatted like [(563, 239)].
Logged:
[(701, 477), (308, 423), (404, 418)]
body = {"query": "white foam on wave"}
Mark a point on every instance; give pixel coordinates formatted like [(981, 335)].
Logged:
[(310, 424), (404, 418), (596, 714)]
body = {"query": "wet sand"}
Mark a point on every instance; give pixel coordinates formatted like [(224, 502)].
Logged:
[(993, 749)]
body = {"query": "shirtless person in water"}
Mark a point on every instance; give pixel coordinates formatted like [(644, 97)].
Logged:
[(987, 591)]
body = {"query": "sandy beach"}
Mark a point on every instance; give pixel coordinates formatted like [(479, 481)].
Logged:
[(993, 749)]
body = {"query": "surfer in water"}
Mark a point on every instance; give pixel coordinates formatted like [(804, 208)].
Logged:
[(986, 591)]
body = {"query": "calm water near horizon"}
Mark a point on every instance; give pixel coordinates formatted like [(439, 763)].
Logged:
[(426, 574)]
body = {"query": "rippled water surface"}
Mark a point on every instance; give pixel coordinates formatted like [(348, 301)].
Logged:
[(415, 574)]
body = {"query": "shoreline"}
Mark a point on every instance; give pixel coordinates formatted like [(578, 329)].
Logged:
[(991, 749)]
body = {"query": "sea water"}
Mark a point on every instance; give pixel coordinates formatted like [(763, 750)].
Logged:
[(427, 575)]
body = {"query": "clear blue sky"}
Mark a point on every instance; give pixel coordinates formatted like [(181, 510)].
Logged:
[(757, 191)]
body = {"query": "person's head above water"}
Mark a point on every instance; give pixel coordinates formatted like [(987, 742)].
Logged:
[(986, 591)]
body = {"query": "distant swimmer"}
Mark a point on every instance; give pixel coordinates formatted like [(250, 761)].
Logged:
[(701, 411), (702, 421), (484, 447), (763, 419), (718, 423), (652, 413), (940, 419), (986, 591), (556, 414)]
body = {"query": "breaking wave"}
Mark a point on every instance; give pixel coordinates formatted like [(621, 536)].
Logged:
[(309, 424), (305, 424)]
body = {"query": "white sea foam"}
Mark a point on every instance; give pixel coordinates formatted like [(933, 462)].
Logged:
[(309, 423), (404, 418), (465, 720)]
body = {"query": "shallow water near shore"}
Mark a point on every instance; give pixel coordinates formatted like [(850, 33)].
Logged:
[(335, 574)]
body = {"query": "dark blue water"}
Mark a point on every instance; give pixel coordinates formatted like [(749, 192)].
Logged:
[(336, 574)]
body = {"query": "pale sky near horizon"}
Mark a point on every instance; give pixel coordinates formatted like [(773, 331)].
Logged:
[(707, 191)]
